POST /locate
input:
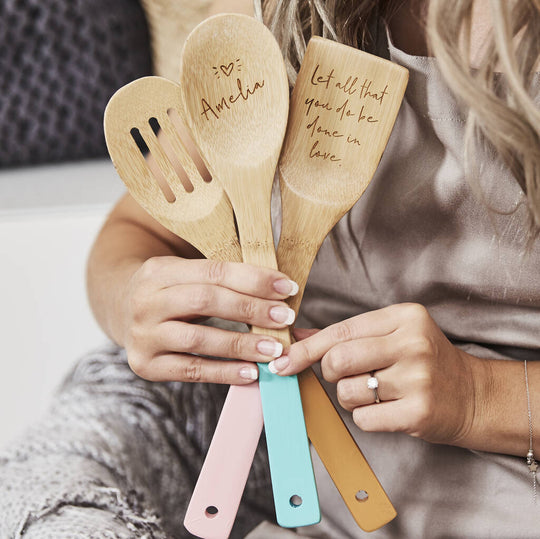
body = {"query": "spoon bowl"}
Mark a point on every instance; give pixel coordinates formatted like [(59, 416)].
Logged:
[(237, 100)]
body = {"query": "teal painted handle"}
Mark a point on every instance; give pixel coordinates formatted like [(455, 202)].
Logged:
[(291, 469)]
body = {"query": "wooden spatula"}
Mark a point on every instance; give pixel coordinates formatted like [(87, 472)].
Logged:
[(200, 213), (343, 108), (237, 98)]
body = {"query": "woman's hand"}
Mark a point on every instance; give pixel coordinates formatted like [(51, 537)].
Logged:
[(426, 385), (166, 295)]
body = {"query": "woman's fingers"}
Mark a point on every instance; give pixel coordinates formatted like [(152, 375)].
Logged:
[(244, 278), (354, 391), (425, 385), (189, 301), (377, 323), (304, 353), (167, 293), (196, 339), (388, 416), (359, 356), (192, 368)]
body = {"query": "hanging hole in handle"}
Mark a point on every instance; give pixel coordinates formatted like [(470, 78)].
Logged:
[(295, 500), (211, 511), (361, 495)]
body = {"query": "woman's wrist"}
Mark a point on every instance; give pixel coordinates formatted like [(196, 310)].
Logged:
[(108, 295), (118, 320), (498, 407)]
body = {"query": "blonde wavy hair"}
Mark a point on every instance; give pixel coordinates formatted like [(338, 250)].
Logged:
[(507, 119)]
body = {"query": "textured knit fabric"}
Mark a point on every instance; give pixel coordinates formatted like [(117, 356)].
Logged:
[(117, 457), (60, 62)]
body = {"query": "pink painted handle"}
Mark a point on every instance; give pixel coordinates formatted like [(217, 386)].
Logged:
[(226, 468)]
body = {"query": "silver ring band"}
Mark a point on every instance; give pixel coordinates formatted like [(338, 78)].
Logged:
[(373, 383)]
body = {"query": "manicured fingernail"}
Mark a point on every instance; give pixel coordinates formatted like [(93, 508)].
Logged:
[(286, 286), (270, 348), (278, 364), (249, 373), (282, 315)]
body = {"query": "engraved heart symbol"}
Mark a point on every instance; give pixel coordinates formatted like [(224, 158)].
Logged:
[(227, 69)]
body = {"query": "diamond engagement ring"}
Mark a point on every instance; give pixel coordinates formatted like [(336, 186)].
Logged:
[(373, 383)]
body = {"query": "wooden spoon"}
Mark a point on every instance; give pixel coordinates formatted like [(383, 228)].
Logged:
[(237, 96), (343, 108), (202, 213)]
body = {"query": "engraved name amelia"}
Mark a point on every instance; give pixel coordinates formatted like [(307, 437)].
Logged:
[(210, 111)]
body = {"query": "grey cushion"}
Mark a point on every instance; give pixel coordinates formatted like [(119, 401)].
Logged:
[(60, 61)]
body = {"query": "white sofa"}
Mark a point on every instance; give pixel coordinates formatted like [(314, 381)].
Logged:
[(49, 216)]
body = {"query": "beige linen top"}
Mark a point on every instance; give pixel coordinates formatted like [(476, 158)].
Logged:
[(421, 234)]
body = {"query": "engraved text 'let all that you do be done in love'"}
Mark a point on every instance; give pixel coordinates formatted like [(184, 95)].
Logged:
[(341, 105)]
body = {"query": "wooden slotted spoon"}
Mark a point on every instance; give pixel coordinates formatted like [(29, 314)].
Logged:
[(236, 97), (204, 218), (343, 108)]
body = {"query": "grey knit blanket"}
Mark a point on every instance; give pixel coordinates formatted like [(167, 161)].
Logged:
[(60, 62), (117, 457)]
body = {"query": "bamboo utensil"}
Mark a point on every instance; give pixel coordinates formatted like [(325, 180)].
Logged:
[(236, 96), (343, 108)]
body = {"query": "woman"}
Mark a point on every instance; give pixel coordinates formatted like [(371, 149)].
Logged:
[(428, 285)]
